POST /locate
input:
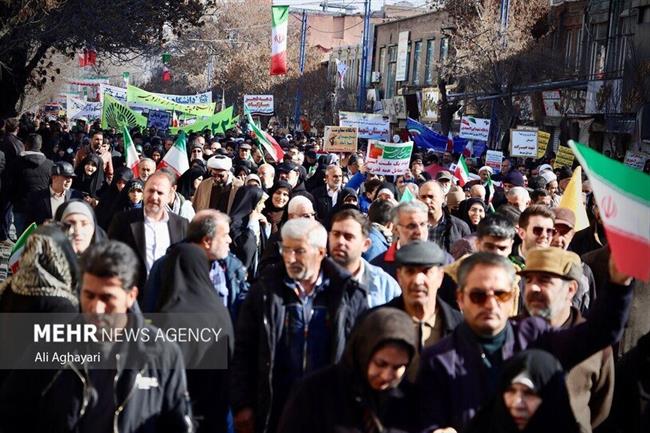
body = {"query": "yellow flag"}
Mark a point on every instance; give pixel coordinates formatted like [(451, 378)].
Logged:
[(572, 199)]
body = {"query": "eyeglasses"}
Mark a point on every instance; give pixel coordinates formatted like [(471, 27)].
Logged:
[(299, 252), (480, 297), (537, 231), (562, 229), (414, 226)]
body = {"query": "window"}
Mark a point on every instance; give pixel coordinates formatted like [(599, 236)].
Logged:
[(444, 49), (391, 72), (428, 65), (408, 62), (597, 50), (416, 62), (381, 67)]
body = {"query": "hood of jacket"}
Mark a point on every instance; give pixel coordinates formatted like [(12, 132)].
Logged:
[(33, 159)]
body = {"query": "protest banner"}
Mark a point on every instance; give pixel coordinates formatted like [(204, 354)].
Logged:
[(136, 95), (117, 93), (259, 105), (635, 159), (370, 126), (473, 128), (340, 139), (217, 123), (494, 158), (79, 109), (564, 157), (523, 143), (388, 158), (116, 115), (158, 119), (542, 143)]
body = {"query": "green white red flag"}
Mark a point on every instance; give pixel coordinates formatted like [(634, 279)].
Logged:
[(19, 246), (176, 158), (461, 172), (264, 139), (130, 154), (623, 200), (279, 40)]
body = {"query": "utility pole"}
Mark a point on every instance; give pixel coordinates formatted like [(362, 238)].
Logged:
[(303, 42), (361, 97)]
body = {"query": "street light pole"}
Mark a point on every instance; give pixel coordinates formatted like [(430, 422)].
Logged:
[(361, 97), (303, 42)]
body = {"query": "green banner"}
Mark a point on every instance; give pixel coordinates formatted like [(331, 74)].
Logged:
[(218, 123), (115, 115), (135, 95)]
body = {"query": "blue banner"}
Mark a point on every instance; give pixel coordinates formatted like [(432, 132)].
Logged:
[(424, 137)]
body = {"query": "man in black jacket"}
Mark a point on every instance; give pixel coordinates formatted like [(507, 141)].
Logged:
[(151, 229), (141, 388), (12, 147), (327, 196), (444, 228), (31, 172), (295, 320)]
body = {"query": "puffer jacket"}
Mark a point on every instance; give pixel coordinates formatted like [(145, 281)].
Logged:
[(31, 172)]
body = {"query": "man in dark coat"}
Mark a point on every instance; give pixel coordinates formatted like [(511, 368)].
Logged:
[(296, 320), (327, 196), (444, 228), (12, 147), (30, 172), (41, 205), (462, 370), (151, 229), (147, 395)]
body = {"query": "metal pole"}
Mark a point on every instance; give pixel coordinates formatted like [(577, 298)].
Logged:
[(361, 98), (303, 42)]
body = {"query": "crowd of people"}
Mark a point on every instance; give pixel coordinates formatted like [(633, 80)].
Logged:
[(350, 301)]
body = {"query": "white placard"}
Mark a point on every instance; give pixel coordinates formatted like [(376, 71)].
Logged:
[(388, 158), (370, 126), (474, 128), (494, 158), (635, 159), (259, 105), (523, 143)]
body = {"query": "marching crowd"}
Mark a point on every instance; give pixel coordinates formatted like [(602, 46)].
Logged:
[(351, 302)]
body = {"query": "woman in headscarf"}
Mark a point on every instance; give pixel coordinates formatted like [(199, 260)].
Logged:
[(108, 200), (532, 397), (190, 180), (249, 229), (47, 278), (131, 196), (90, 175), (364, 392), (276, 205), (80, 219), (189, 300), (348, 199), (472, 211)]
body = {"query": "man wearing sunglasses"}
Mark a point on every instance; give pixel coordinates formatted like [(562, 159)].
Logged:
[(462, 370), (551, 278), (535, 230)]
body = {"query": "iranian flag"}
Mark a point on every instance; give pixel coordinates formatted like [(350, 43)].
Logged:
[(130, 154), (279, 40), (461, 172), (17, 250), (270, 145), (176, 157), (623, 200)]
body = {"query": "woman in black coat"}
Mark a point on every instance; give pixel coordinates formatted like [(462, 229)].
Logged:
[(532, 397), (364, 392), (249, 229)]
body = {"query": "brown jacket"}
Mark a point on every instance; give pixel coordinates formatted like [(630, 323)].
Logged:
[(203, 195), (591, 384)]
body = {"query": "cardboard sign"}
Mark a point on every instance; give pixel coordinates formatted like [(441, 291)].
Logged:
[(564, 157), (473, 128), (494, 158), (388, 158), (542, 143), (635, 159), (158, 119), (259, 105), (370, 126), (341, 139), (523, 143)]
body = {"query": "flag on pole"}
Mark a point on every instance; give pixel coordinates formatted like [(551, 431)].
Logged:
[(623, 200), (264, 139), (461, 172), (19, 246), (130, 154), (279, 40), (572, 199), (176, 158)]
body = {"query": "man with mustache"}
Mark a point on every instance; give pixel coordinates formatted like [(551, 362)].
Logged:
[(295, 320), (548, 293)]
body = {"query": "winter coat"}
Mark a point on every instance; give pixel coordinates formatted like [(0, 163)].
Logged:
[(260, 327), (31, 172)]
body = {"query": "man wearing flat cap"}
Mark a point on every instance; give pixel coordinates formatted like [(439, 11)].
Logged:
[(551, 277), (218, 191), (419, 274)]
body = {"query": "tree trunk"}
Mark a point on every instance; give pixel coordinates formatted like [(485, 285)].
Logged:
[(13, 80)]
